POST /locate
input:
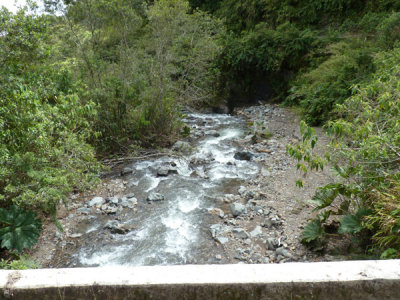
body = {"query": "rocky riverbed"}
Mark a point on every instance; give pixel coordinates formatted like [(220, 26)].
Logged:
[(226, 194)]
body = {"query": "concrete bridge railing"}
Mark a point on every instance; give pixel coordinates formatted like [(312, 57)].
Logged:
[(331, 280)]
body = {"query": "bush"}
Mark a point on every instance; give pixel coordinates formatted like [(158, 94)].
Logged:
[(319, 90), (263, 53), (389, 31), (365, 155)]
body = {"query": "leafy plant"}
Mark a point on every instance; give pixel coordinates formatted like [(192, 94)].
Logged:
[(364, 153), (19, 228), (20, 263)]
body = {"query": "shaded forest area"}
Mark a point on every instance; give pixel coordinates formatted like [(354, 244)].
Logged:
[(107, 77)]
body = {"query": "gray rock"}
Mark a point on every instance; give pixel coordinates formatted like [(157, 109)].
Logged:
[(222, 240), (242, 155), (218, 257), (183, 147), (155, 197), (126, 171), (76, 235), (166, 170), (256, 232), (240, 233), (242, 190), (272, 243), (238, 209), (110, 210), (215, 229), (130, 202), (96, 201), (114, 200), (83, 210), (130, 195), (267, 223), (116, 227), (283, 252), (163, 171), (214, 133)]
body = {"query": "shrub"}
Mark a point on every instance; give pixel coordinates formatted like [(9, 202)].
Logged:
[(319, 90), (389, 31), (365, 155)]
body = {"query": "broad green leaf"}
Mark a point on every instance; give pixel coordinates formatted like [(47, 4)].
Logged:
[(20, 230), (312, 232)]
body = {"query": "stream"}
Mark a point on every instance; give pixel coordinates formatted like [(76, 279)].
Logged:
[(175, 230)]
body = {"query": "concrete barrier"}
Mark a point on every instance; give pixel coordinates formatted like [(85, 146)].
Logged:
[(331, 280)]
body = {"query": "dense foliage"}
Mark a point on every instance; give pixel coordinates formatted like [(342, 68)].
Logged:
[(364, 153)]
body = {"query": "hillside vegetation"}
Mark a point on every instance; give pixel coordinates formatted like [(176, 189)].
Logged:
[(105, 77)]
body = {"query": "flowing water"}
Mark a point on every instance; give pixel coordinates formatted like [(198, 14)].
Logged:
[(176, 230)]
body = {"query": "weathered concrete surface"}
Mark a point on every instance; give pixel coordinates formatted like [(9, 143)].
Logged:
[(334, 280)]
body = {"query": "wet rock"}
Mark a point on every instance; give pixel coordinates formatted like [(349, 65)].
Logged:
[(130, 195), (130, 202), (75, 235), (256, 232), (109, 210), (83, 210), (238, 209), (153, 197), (126, 171), (113, 201), (166, 170), (240, 233), (242, 155), (115, 227), (183, 147), (213, 133)]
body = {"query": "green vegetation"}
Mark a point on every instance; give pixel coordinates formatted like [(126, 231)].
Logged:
[(364, 154), (101, 79), (108, 76)]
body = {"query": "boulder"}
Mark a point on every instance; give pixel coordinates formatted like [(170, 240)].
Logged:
[(242, 155), (183, 147), (116, 227), (166, 170), (213, 133), (238, 209), (96, 201), (126, 171), (130, 202), (155, 197)]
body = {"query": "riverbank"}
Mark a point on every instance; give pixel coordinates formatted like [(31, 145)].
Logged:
[(259, 222)]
